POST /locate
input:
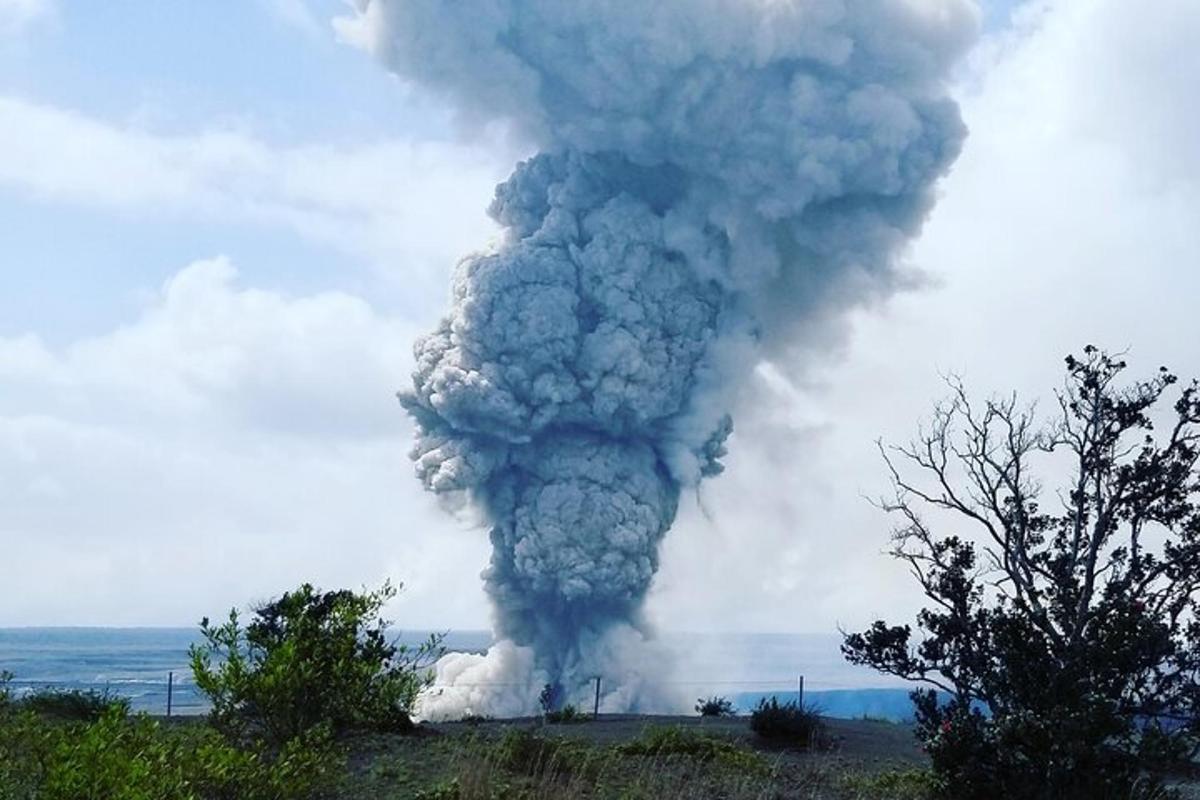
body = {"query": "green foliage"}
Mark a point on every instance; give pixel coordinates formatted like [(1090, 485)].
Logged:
[(1065, 640), (118, 757), (787, 722), (447, 790), (566, 714), (307, 659), (523, 751), (558, 766), (20, 741), (6, 678), (73, 704), (715, 707), (550, 700), (659, 741), (896, 784)]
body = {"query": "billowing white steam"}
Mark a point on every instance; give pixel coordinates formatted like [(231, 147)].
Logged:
[(713, 176)]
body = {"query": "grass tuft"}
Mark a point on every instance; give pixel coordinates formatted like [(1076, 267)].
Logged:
[(660, 741), (897, 784)]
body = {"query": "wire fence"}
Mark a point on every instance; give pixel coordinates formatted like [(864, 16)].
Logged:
[(168, 696), (175, 695)]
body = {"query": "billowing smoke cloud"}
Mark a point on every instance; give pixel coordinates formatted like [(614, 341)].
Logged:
[(715, 179)]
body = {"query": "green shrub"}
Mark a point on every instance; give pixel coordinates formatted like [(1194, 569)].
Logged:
[(660, 741), (787, 722), (715, 707), (20, 742), (566, 714), (118, 757), (550, 700), (896, 784), (5, 690), (73, 704), (311, 658)]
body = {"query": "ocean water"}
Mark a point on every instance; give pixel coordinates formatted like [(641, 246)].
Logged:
[(137, 662), (132, 662)]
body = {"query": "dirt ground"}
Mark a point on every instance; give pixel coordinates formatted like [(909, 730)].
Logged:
[(869, 743), (862, 745), (407, 766)]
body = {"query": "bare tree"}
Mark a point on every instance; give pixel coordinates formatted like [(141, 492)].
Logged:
[(1066, 642)]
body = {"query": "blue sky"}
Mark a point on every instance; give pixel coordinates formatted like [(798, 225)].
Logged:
[(269, 70), (221, 229)]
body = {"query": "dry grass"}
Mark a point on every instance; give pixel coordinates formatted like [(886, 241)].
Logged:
[(634, 758), (525, 763)]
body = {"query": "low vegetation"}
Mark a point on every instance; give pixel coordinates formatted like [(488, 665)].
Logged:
[(787, 723), (897, 784), (309, 670), (310, 659), (63, 704), (121, 757), (671, 762), (566, 715), (703, 748), (715, 707), (72, 704)]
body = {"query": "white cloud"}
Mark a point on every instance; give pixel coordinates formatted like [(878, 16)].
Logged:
[(226, 444), (398, 202)]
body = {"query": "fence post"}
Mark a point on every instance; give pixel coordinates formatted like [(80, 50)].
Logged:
[(596, 707), (800, 693), (170, 691)]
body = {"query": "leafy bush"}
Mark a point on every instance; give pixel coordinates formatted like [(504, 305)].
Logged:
[(566, 714), (307, 659), (118, 757), (62, 704), (73, 704), (550, 700), (715, 707), (787, 722), (660, 741), (1061, 627)]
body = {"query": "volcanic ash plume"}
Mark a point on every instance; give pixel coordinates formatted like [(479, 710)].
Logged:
[(715, 179)]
